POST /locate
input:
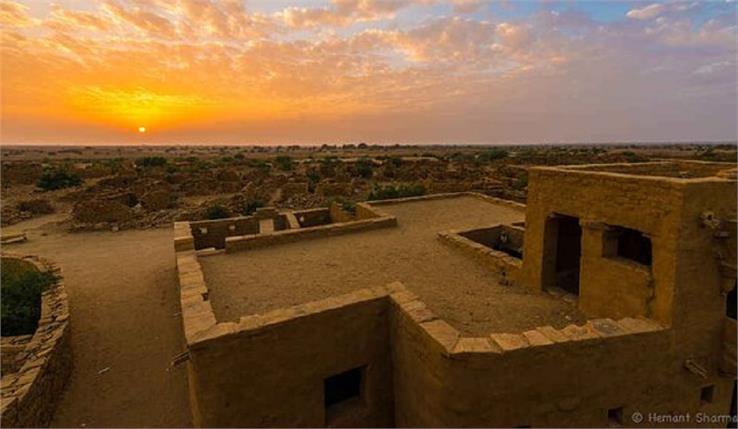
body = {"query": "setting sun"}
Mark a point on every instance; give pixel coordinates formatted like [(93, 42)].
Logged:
[(142, 129)]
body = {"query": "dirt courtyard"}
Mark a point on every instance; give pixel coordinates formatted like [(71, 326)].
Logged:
[(452, 284), (125, 325)]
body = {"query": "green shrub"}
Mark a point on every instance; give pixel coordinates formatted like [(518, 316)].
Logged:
[(364, 167), (390, 192), (634, 157), (217, 212), (21, 297), (520, 183), (58, 179), (492, 155), (328, 166), (151, 161), (346, 204), (251, 207), (313, 175), (284, 163), (395, 161)]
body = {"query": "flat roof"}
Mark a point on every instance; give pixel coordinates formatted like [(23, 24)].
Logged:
[(680, 169), (452, 284)]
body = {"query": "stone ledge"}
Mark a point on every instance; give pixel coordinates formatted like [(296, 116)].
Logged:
[(245, 242), (502, 263)]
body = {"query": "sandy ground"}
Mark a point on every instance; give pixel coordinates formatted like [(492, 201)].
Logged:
[(453, 285), (125, 325)]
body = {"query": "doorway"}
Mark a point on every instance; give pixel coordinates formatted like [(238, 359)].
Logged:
[(563, 253)]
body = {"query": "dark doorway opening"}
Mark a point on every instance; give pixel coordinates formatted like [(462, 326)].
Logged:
[(730, 307), (568, 253), (628, 244), (343, 387)]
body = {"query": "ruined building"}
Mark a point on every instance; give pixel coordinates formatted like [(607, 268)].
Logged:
[(608, 300)]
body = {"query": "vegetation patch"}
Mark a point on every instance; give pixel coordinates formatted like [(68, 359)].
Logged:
[(52, 180), (21, 288), (217, 212), (284, 163), (251, 206), (151, 161), (391, 191)]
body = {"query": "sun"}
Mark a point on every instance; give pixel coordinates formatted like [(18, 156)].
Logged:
[(141, 130)]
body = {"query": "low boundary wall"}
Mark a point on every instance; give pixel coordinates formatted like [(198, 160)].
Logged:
[(30, 395), (500, 262)]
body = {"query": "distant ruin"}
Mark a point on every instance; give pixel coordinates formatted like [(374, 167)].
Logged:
[(605, 298)]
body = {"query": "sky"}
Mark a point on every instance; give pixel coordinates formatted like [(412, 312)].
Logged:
[(375, 71)]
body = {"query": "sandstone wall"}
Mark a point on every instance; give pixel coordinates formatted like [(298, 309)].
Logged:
[(213, 233), (338, 214), (507, 266), (30, 395), (239, 243), (270, 370), (313, 217), (649, 205)]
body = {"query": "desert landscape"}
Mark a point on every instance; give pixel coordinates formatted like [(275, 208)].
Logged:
[(139, 187), (368, 213), (105, 216)]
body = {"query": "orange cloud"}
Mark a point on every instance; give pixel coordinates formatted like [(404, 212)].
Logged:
[(221, 70)]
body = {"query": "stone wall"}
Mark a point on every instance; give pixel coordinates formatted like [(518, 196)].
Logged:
[(239, 243), (269, 369), (500, 262), (338, 214), (540, 378), (655, 206), (30, 394), (213, 233), (313, 217)]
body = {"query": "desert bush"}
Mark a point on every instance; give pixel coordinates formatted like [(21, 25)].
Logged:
[(520, 183), (364, 167), (151, 161), (492, 155), (346, 204), (395, 161), (21, 296), (114, 164), (260, 165), (634, 157), (217, 212), (36, 206), (57, 179), (250, 207), (390, 192), (284, 163), (328, 166)]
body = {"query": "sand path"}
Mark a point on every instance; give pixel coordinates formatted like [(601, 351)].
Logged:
[(125, 325)]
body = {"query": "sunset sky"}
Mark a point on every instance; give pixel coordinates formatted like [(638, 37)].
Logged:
[(378, 71)]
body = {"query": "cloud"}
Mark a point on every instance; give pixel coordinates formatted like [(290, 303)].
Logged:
[(148, 22), (408, 72), (342, 12), (70, 20), (468, 6), (649, 12), (14, 14)]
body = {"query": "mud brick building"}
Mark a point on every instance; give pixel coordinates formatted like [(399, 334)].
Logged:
[(608, 299)]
